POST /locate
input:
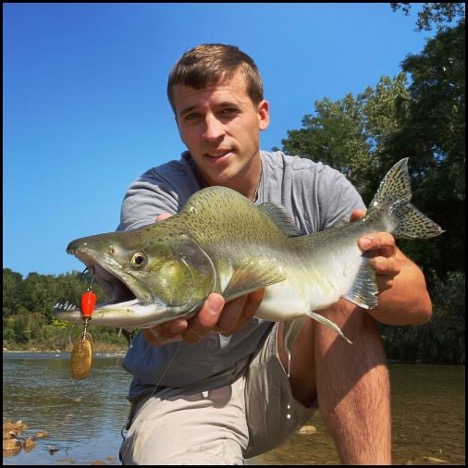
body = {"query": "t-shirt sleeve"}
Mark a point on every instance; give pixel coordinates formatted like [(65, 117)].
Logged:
[(145, 199), (164, 189)]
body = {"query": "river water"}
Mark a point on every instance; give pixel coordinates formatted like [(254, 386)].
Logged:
[(84, 418)]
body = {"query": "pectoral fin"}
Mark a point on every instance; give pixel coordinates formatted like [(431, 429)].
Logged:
[(252, 275)]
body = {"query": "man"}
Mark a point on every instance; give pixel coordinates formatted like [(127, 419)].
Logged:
[(220, 387)]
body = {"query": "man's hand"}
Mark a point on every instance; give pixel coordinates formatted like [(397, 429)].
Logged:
[(403, 296), (384, 254), (214, 316)]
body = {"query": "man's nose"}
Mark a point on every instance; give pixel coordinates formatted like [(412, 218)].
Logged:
[(214, 128)]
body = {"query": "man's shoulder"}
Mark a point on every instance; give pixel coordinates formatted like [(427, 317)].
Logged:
[(314, 193), (280, 160), (301, 168), (173, 168)]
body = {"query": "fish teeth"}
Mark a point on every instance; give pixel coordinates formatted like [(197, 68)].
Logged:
[(66, 306)]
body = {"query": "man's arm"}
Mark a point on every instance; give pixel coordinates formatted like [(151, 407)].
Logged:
[(403, 298)]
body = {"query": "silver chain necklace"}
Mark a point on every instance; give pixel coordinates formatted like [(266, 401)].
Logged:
[(257, 188), (255, 197)]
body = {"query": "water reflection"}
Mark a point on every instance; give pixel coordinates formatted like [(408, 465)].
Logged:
[(84, 418)]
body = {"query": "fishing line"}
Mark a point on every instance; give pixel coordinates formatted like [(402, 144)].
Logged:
[(132, 416)]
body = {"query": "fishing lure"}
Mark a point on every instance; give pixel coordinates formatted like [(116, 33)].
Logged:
[(82, 351)]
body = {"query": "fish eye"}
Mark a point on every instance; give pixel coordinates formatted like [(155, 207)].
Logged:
[(138, 260)]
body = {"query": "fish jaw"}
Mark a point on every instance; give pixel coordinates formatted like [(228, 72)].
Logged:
[(128, 315), (109, 273)]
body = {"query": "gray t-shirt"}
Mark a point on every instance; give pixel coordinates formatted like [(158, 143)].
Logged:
[(315, 195)]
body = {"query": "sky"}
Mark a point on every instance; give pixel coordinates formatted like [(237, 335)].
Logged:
[(85, 111)]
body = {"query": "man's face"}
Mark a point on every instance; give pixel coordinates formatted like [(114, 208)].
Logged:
[(220, 126)]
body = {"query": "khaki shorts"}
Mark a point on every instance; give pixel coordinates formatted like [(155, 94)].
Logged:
[(253, 415)]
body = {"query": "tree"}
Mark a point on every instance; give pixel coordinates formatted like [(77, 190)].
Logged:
[(12, 293), (432, 133), (351, 134), (40, 292), (434, 14)]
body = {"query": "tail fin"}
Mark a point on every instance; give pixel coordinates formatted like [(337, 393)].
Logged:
[(393, 197)]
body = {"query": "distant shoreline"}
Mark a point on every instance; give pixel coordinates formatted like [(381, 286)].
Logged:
[(61, 351), (98, 349)]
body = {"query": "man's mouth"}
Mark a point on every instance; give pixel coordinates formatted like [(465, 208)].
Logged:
[(217, 154)]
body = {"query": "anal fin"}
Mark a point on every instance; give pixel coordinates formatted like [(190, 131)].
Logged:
[(364, 290), (329, 324)]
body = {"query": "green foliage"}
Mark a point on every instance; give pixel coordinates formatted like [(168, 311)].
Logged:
[(12, 293), (351, 134), (28, 319), (432, 134), (442, 340), (437, 14)]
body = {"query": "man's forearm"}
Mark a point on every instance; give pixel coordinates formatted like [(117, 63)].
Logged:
[(407, 302)]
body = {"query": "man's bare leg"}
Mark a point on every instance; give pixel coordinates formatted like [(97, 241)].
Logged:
[(350, 381)]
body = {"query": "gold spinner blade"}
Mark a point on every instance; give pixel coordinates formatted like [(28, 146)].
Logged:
[(81, 356)]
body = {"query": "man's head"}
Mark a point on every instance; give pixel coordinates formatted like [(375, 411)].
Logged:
[(208, 64), (216, 93)]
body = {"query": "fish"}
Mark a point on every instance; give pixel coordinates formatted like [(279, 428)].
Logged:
[(221, 242)]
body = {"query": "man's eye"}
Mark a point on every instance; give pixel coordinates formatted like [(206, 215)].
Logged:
[(229, 111)]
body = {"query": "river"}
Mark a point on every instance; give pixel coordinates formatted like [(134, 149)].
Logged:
[(83, 419)]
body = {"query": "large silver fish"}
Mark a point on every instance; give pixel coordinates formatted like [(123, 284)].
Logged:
[(221, 242)]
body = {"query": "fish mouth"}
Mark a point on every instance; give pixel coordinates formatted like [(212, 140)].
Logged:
[(130, 305), (127, 307), (116, 289), (121, 292)]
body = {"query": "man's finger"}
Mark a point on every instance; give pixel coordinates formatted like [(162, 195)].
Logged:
[(163, 216), (232, 312), (357, 214), (254, 299), (380, 244), (206, 319)]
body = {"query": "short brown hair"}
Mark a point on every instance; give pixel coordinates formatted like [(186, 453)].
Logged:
[(207, 64)]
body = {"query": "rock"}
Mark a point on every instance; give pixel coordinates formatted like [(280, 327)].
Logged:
[(11, 447), (29, 444), (307, 429), (17, 426), (434, 460), (52, 449), (10, 434)]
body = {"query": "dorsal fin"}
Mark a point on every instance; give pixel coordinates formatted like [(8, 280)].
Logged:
[(280, 217)]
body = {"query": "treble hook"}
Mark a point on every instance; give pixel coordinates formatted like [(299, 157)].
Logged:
[(88, 271)]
